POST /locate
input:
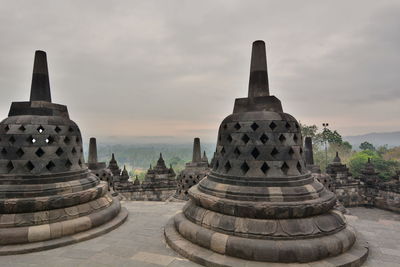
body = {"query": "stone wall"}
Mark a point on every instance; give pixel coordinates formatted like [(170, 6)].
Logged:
[(351, 195), (148, 195), (388, 200)]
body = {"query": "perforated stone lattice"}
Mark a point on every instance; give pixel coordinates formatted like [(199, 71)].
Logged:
[(40, 148), (259, 148)]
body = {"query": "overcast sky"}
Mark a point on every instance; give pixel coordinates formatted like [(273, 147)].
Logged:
[(174, 68)]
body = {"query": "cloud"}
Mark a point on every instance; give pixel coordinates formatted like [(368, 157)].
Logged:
[(135, 68)]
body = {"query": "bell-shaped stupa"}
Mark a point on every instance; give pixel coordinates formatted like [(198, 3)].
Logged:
[(194, 171), (99, 168), (259, 203), (48, 196)]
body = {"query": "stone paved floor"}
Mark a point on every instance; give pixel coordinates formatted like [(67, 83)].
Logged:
[(139, 241)]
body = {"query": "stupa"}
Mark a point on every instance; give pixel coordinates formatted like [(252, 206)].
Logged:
[(113, 167), (259, 203), (194, 171), (99, 168), (371, 181), (48, 196), (159, 182)]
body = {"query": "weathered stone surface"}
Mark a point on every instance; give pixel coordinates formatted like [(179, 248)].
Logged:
[(259, 202), (194, 171), (46, 190)]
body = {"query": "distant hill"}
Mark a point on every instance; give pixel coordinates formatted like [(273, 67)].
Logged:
[(377, 139)]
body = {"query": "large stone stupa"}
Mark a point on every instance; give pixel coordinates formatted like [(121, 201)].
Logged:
[(260, 203), (48, 196)]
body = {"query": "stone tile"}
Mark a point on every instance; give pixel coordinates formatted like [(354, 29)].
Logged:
[(77, 253), (139, 242), (159, 259)]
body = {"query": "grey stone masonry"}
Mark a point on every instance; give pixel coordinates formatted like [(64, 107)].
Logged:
[(48, 196), (260, 203)]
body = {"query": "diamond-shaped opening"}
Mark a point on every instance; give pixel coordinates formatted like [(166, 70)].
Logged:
[(227, 166), (59, 151), (255, 153), (49, 140), (20, 152), (291, 151), (254, 126), (68, 164), (10, 166), (216, 164), (274, 152), (67, 140), (4, 151), (285, 168), (245, 138), (29, 165), (12, 139), (73, 150), (264, 168), (296, 125), (237, 126), (7, 128), (39, 152), (57, 129), (295, 138), (229, 138), (50, 166), (244, 167), (237, 152), (272, 125), (225, 126), (70, 129), (223, 151), (40, 129), (80, 162), (282, 138), (287, 125), (298, 166), (77, 139), (301, 151), (264, 138), (22, 128)]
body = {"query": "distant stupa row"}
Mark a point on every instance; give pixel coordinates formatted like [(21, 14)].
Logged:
[(49, 197)]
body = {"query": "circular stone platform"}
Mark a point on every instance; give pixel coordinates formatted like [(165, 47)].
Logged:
[(353, 257), (66, 240)]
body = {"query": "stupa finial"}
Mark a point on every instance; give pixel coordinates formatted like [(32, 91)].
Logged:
[(92, 151), (40, 88), (258, 83), (196, 150)]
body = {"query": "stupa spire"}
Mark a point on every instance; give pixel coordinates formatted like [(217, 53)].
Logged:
[(196, 150), (92, 151), (40, 88), (308, 149), (258, 82)]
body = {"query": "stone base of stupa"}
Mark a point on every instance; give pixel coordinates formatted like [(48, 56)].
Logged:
[(40, 237), (353, 257)]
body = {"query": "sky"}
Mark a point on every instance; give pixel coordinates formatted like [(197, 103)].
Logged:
[(170, 70)]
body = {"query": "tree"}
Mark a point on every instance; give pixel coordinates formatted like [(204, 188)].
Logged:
[(385, 168), (367, 146), (310, 131)]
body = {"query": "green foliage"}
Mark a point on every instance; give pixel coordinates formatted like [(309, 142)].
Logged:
[(386, 168), (367, 146), (332, 137)]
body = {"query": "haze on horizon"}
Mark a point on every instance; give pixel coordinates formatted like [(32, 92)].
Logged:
[(173, 68)]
